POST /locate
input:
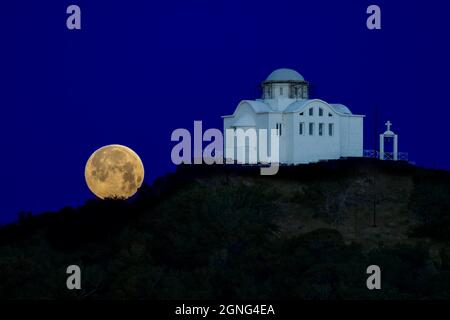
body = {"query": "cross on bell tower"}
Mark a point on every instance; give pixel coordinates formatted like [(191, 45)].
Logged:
[(388, 134), (388, 124)]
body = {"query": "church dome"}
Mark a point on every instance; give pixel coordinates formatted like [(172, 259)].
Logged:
[(285, 74)]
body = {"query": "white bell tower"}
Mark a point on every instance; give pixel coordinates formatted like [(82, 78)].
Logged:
[(388, 134)]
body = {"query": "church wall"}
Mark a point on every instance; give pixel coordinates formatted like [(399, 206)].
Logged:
[(314, 148), (227, 122), (285, 138), (352, 136), (356, 136), (272, 120), (262, 121), (243, 110), (290, 131), (346, 141)]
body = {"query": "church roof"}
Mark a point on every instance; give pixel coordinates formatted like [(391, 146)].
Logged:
[(340, 108), (285, 74), (258, 106), (297, 105), (245, 121)]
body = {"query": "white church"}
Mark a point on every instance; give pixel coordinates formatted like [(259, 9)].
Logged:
[(309, 130)]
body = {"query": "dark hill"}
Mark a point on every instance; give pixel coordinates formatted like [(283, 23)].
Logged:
[(227, 232)]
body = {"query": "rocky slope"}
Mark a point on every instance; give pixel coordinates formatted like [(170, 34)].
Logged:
[(227, 232)]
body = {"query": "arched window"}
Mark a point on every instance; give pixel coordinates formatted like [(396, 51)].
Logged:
[(311, 129), (305, 92), (278, 126), (301, 128), (268, 92)]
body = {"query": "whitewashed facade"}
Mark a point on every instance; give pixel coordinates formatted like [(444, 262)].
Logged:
[(309, 129)]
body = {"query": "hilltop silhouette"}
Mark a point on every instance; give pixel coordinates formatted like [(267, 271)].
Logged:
[(209, 232)]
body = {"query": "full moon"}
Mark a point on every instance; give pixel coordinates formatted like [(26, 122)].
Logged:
[(114, 171)]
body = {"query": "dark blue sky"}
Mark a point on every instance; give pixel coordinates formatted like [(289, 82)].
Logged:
[(139, 69)]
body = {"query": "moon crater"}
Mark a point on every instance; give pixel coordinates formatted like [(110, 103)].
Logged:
[(114, 171)]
